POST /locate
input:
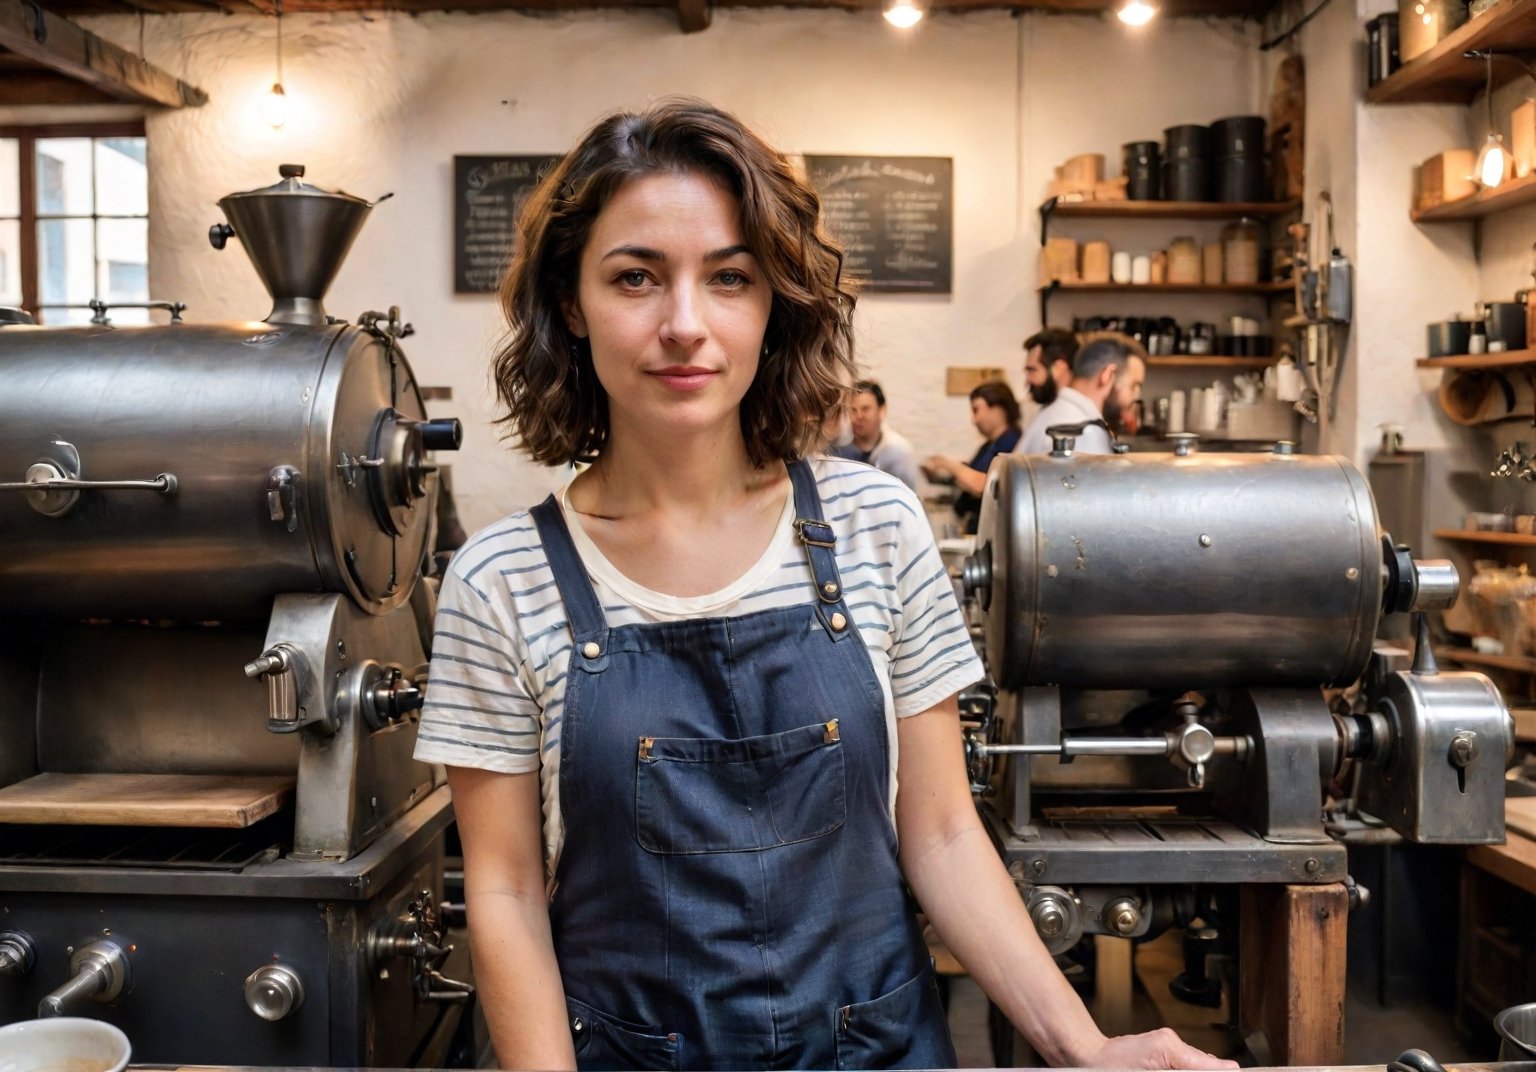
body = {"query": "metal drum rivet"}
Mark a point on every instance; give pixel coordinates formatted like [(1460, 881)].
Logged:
[(591, 650), (1205, 541)]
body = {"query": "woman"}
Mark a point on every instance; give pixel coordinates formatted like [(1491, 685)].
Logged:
[(676, 699), (995, 413)]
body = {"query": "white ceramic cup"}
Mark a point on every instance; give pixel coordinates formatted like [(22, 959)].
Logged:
[(1120, 267), (63, 1044)]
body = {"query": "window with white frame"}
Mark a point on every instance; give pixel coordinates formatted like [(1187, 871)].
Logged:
[(74, 221)]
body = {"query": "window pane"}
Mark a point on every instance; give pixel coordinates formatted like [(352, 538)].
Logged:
[(66, 262), (64, 177), (57, 317), (122, 251), (10, 178), (10, 262), (122, 181)]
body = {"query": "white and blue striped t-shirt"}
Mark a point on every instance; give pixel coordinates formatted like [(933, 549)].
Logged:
[(502, 648)]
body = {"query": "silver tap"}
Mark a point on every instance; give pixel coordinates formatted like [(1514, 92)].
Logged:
[(17, 953), (98, 972)]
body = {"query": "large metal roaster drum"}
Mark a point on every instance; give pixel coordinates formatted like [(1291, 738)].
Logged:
[(295, 457), (1156, 571)]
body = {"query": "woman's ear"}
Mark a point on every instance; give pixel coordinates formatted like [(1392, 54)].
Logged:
[(575, 322)]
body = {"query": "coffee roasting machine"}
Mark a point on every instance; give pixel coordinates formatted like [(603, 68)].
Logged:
[(1184, 658), (212, 832)]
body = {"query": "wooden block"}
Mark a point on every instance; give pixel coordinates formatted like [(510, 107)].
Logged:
[(1292, 971), (1525, 723), (960, 382), (198, 800), (1112, 985), (1111, 189), (1096, 262), (1085, 170), (1446, 177), (1520, 816), (1522, 140), (1058, 260)]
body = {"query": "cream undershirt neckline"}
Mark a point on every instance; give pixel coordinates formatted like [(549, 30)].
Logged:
[(648, 599)]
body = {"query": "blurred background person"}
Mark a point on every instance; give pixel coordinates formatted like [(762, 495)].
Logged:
[(995, 413), (1048, 358), (875, 443), (1106, 379)]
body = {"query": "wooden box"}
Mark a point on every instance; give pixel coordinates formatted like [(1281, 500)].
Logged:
[(1445, 177), (1522, 141), (1096, 256), (1422, 23)]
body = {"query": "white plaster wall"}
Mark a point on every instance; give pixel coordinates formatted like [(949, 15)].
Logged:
[(385, 101)]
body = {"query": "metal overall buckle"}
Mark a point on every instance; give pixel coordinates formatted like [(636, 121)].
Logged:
[(814, 532)]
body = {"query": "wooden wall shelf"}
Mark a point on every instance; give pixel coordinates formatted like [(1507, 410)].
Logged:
[(1507, 359), (1506, 539), (1168, 210), (1501, 198), (1167, 288), (1207, 361), (1444, 75)]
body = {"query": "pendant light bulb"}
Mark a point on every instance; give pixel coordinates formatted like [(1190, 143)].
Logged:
[(274, 106), (1493, 163), (903, 14), (1137, 12)]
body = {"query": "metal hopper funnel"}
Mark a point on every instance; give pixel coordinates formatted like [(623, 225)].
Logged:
[(297, 235)]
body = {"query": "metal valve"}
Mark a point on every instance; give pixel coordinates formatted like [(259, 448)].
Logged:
[(98, 972), (17, 953), (417, 936), (273, 992), (390, 696), (281, 667)]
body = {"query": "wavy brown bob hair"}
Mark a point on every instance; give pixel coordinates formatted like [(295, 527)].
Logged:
[(555, 409)]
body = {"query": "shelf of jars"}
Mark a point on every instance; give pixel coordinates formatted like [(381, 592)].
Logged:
[(1447, 75), (1056, 207), (1506, 359), (1505, 539)]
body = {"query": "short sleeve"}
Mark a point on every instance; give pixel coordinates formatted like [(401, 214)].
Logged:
[(931, 654), (480, 710)]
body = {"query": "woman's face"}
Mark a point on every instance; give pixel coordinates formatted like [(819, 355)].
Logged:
[(673, 304), (989, 420)]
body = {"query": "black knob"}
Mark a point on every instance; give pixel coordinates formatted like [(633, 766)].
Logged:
[(445, 434), (220, 233), (291, 171)]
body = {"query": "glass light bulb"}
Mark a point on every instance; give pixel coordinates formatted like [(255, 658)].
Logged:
[(903, 14), (1493, 162), (274, 106), (1136, 13)]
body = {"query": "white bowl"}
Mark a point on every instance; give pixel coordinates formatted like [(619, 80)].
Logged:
[(63, 1044)]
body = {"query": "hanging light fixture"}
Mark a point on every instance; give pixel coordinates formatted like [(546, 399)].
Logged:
[(1494, 163), (275, 105), (1136, 12), (904, 14)]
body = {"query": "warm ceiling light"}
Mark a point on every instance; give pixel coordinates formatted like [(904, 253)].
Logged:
[(903, 13), (274, 107), (1136, 12)]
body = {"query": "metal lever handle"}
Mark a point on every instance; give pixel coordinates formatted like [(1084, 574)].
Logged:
[(99, 972), (165, 484)]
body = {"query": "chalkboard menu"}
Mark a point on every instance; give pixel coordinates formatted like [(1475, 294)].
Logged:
[(893, 215), (488, 194)]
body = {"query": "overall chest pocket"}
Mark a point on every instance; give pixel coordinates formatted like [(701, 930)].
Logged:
[(697, 794)]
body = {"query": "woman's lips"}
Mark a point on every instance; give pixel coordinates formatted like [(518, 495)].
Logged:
[(685, 377)]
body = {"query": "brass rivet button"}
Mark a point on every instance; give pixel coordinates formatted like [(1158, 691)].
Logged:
[(839, 622), (591, 650), (829, 588)]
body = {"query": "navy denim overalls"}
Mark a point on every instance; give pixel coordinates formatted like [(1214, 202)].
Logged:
[(728, 895)]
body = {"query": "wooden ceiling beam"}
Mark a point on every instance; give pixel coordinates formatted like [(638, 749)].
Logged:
[(46, 87), (693, 15), (54, 42)]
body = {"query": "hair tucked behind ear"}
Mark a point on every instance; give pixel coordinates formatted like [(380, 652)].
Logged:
[(553, 406)]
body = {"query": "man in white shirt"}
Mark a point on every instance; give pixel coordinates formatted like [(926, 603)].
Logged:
[(1106, 378), (873, 443)]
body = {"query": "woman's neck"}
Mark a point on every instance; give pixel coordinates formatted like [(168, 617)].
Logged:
[(641, 471)]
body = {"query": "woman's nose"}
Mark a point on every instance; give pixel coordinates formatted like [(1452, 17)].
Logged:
[(683, 322)]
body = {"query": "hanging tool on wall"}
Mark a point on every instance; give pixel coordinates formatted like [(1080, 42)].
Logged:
[(1324, 282)]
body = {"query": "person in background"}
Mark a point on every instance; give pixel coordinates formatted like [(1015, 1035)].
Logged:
[(995, 413), (1106, 378), (1048, 358), (699, 707), (873, 442)]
